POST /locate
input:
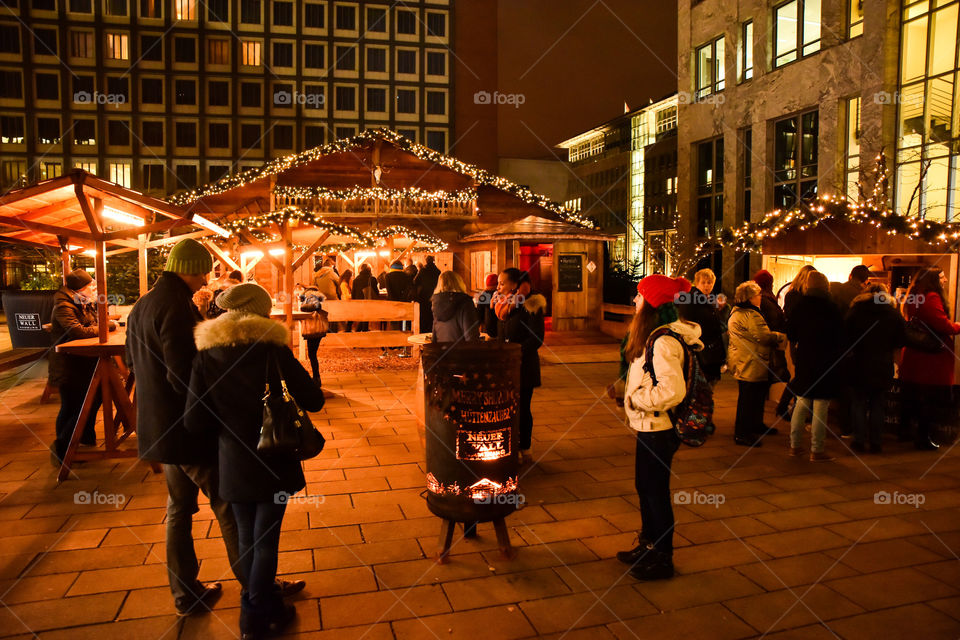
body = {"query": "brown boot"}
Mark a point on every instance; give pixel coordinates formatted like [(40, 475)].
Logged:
[(796, 451), (820, 456)]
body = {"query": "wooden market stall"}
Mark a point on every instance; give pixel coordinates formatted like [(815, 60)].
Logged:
[(79, 213), (380, 197)]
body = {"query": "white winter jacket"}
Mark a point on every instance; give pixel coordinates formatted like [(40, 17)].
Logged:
[(646, 405)]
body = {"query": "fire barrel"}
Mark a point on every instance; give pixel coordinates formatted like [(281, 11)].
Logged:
[(471, 396)]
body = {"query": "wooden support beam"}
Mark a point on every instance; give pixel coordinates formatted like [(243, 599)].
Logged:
[(221, 256), (287, 275), (64, 258), (142, 264), (28, 243), (94, 221), (312, 249), (407, 250), (172, 239), (100, 263), (262, 247), (349, 261), (46, 228)]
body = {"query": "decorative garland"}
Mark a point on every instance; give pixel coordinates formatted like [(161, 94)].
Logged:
[(369, 239), (463, 196), (480, 176)]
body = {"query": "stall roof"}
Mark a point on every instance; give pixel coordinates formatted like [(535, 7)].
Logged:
[(537, 228), (374, 158), (80, 209)]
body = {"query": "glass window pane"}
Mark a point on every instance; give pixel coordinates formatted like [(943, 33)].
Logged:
[(785, 47), (935, 190), (705, 164), (704, 68), (939, 101), (808, 148), (911, 116), (719, 61), (811, 26), (908, 175), (748, 51), (954, 193), (913, 50), (718, 165), (785, 141), (943, 45)]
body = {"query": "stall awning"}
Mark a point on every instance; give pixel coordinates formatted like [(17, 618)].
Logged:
[(537, 228)]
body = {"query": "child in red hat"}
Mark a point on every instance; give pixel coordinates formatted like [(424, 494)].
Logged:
[(646, 405)]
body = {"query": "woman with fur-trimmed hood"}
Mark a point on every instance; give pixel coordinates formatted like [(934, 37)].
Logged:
[(520, 312), (225, 401)]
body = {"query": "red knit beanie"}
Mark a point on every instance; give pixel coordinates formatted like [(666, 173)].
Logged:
[(764, 278), (659, 289), (490, 282)]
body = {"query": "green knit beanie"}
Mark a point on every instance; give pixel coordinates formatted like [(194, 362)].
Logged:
[(189, 257)]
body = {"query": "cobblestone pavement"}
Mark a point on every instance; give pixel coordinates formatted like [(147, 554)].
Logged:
[(767, 545)]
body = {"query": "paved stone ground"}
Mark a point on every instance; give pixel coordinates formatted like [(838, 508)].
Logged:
[(796, 549)]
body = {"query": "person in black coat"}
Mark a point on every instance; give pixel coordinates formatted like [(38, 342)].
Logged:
[(454, 316), (229, 375), (777, 321), (874, 331), (160, 352), (484, 302), (73, 319), (699, 306), (399, 288), (365, 287), (815, 326), (520, 319), (424, 285)]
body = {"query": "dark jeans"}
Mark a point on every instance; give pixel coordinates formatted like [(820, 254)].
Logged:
[(72, 395), (867, 414), (924, 403), (655, 451), (258, 525), (750, 402), (184, 483), (313, 344), (526, 419)]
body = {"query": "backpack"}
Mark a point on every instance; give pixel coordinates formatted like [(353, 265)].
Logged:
[(693, 417)]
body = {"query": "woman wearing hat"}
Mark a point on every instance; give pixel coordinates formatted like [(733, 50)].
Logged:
[(72, 320), (225, 401), (646, 405)]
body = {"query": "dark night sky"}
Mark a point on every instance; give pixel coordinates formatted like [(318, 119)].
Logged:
[(576, 61)]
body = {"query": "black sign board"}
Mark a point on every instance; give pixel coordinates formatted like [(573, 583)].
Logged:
[(28, 322), (570, 272)]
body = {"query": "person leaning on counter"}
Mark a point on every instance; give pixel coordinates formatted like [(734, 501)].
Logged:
[(73, 319)]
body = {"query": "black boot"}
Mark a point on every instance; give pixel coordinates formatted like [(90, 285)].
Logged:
[(637, 554), (656, 565)]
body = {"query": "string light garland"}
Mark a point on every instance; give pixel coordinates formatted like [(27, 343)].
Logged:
[(481, 177), (462, 196), (807, 214), (255, 225)]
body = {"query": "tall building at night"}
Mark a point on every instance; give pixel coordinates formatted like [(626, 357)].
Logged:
[(786, 100), (625, 177), (162, 95)]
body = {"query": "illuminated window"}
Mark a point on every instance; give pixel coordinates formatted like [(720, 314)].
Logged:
[(186, 9), (796, 30), (710, 68), (852, 148), (118, 46), (90, 166), (81, 44), (928, 164), (119, 173), (250, 52), (854, 18), (218, 51), (745, 62), (666, 120), (796, 144), (709, 174), (151, 9), (11, 130), (50, 170), (84, 132), (14, 172)]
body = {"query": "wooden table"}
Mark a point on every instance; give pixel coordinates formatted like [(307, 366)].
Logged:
[(115, 384)]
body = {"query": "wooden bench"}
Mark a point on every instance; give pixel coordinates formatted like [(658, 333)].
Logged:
[(355, 311)]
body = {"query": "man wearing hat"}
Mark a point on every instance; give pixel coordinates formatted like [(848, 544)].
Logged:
[(73, 319), (160, 349)]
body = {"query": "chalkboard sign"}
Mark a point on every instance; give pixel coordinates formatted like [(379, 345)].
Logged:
[(570, 272)]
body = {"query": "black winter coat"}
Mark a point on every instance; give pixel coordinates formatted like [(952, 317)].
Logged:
[(160, 350), (873, 332), (771, 312), (483, 301), (816, 327), (70, 321), (454, 317), (524, 325), (226, 401), (700, 309), (399, 286), (424, 285), (363, 280)]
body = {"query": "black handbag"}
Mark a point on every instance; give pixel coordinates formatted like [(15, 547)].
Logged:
[(920, 337), (286, 428)]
